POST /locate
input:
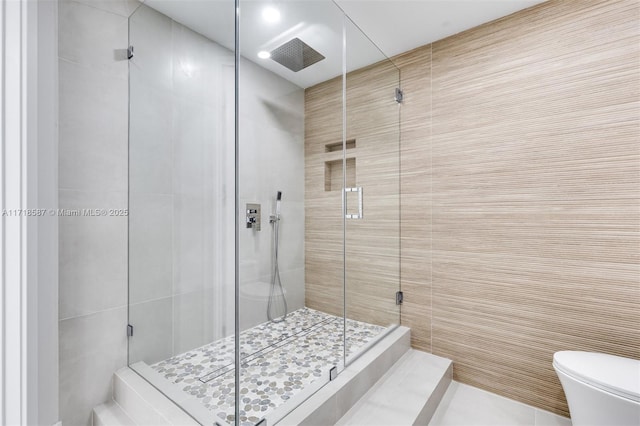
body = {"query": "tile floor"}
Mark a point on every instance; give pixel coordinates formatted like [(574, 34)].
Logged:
[(464, 405), (279, 360)]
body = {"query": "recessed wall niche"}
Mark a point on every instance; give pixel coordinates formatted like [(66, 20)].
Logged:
[(333, 166)]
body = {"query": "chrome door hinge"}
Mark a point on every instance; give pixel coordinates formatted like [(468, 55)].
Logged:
[(129, 330), (399, 297), (399, 95), (129, 52)]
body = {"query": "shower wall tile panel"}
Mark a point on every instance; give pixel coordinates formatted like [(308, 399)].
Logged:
[(153, 152), (191, 319), (520, 194), (153, 330), (151, 31), (92, 126), (92, 254), (91, 348), (324, 263), (92, 175), (271, 159), (80, 43), (151, 246)]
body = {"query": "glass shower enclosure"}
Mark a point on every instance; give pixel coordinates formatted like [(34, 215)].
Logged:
[(264, 202)]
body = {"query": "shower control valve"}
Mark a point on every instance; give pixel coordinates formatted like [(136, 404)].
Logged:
[(253, 216)]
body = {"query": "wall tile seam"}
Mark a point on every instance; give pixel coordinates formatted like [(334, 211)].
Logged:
[(108, 71), (93, 313), (102, 9), (96, 191)]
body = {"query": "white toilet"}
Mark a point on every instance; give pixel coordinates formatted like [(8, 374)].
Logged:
[(600, 389)]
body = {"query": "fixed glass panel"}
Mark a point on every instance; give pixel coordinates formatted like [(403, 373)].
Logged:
[(291, 310), (181, 202), (372, 193)]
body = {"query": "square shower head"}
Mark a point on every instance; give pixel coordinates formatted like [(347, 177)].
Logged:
[(296, 55)]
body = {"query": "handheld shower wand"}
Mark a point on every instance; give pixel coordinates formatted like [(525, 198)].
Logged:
[(276, 217), (278, 200), (276, 283)]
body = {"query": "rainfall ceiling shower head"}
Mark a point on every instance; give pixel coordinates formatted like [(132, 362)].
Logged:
[(296, 55)]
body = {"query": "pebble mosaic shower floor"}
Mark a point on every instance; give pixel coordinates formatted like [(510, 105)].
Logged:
[(279, 360)]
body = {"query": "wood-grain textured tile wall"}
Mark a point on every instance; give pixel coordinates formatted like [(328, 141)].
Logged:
[(520, 189), (373, 161)]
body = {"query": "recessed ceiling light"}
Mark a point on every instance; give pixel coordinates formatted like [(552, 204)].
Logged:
[(271, 14), (264, 54)]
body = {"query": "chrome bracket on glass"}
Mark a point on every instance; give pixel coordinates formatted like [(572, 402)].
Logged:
[(399, 95), (262, 422), (359, 191), (333, 373)]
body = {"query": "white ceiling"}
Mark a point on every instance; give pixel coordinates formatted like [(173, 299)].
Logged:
[(395, 26)]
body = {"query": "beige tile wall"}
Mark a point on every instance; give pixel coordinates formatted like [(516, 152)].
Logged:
[(372, 244), (520, 192), (535, 165)]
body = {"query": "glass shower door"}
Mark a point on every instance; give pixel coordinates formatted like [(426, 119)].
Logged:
[(372, 193)]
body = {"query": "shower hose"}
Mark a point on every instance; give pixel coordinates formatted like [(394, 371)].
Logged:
[(276, 282)]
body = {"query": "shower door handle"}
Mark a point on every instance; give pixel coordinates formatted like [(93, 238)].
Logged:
[(359, 191)]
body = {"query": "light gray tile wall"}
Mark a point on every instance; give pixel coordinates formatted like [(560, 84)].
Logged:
[(92, 175), (181, 184), (92, 348), (152, 340), (271, 160), (93, 254), (151, 245), (192, 319), (181, 172), (182, 148)]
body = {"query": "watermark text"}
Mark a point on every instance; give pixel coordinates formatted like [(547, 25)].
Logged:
[(64, 212)]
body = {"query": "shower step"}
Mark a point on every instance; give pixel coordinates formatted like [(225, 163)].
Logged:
[(109, 414), (136, 402), (335, 399), (408, 394)]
